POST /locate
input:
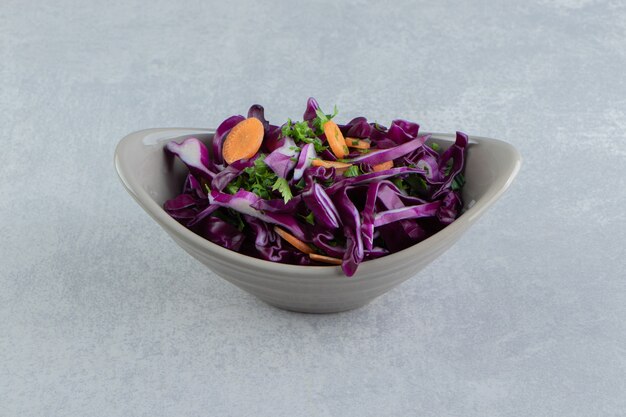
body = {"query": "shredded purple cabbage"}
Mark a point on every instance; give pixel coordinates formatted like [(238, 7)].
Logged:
[(354, 214)]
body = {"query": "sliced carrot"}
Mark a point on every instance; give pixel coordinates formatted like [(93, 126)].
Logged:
[(294, 241), (330, 164), (383, 167), (243, 141), (357, 143), (324, 259), (335, 139)]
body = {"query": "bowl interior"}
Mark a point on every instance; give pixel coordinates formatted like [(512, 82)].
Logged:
[(161, 175)]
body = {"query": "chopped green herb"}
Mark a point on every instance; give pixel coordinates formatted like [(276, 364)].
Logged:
[(458, 182), (230, 216), (310, 218), (282, 186), (435, 146), (300, 184), (355, 142), (232, 188), (321, 118), (417, 185), (301, 132), (448, 169), (258, 179), (238, 220), (353, 171), (399, 183)]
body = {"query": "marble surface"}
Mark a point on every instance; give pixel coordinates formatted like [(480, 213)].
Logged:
[(102, 315)]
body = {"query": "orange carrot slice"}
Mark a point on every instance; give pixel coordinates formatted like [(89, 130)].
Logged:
[(335, 139), (324, 259), (357, 143), (329, 164), (243, 141), (294, 241), (383, 167)]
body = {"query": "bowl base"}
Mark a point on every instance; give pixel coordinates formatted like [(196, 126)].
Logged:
[(315, 309)]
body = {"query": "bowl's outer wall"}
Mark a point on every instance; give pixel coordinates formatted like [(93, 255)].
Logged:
[(152, 177)]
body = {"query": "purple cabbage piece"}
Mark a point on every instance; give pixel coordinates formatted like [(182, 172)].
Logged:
[(220, 134), (280, 163), (184, 215), (273, 139), (450, 208), (352, 230), (322, 238), (322, 206), (269, 246), (379, 139), (180, 202), (402, 131), (257, 111), (367, 226), (221, 233), (456, 154), (231, 172), (410, 212), (430, 164), (203, 214), (278, 205), (375, 252), (283, 159), (195, 155), (375, 158), (311, 108), (409, 231), (242, 202), (327, 155), (322, 174), (372, 176), (193, 186), (391, 198), (357, 128), (307, 154)]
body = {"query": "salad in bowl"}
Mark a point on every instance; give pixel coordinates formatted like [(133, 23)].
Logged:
[(315, 191)]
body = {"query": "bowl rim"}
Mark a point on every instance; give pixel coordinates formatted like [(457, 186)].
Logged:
[(160, 136)]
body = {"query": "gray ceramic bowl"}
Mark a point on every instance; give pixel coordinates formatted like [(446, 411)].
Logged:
[(152, 178)]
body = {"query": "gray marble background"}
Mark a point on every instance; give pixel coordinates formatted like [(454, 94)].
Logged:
[(102, 315)]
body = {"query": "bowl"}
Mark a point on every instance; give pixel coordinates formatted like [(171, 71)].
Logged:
[(152, 177)]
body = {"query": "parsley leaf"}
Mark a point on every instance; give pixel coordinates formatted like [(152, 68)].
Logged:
[(310, 218), (448, 168), (417, 185), (458, 182), (322, 118), (353, 171), (300, 184), (282, 186), (258, 179), (301, 132), (399, 183)]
